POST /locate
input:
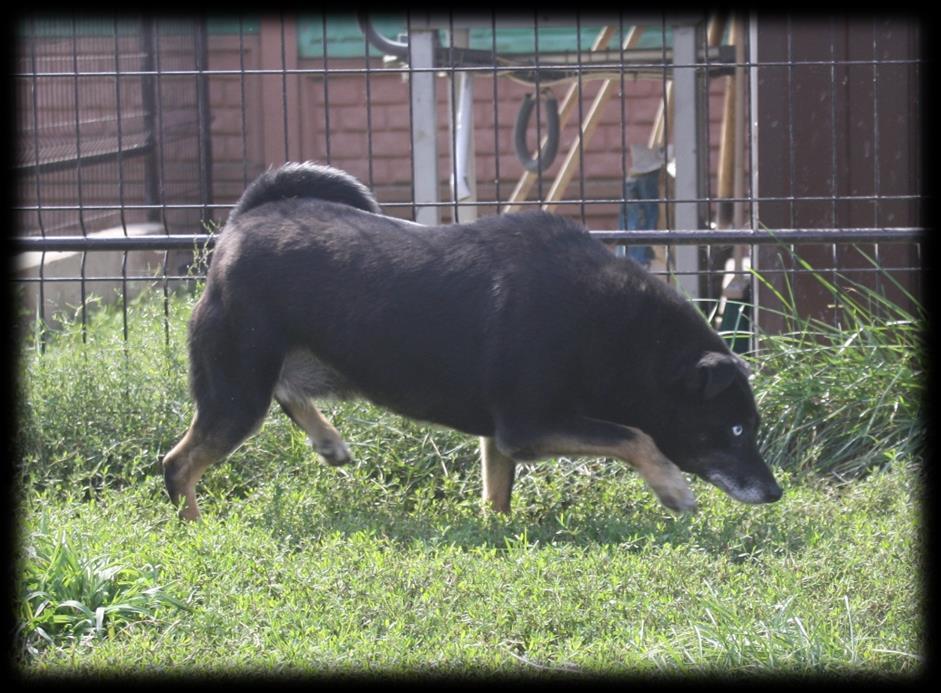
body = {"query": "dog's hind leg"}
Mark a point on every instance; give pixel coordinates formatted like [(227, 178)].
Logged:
[(232, 375), (582, 436), (303, 378), (323, 437), (498, 471), (208, 440), (185, 464)]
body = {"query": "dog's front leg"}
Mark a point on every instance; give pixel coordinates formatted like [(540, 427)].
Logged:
[(497, 471), (581, 436)]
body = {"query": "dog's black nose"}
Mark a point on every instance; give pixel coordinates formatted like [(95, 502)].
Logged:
[(773, 493)]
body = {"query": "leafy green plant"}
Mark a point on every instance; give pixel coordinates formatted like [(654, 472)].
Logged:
[(66, 595)]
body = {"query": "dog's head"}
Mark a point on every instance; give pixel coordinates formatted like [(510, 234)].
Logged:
[(713, 428)]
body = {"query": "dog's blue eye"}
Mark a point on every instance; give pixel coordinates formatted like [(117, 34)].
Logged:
[(737, 430)]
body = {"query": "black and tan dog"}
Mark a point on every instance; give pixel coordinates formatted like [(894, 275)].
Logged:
[(520, 329)]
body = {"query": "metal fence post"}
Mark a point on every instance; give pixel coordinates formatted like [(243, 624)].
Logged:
[(421, 45), (686, 148), (204, 117), (150, 103)]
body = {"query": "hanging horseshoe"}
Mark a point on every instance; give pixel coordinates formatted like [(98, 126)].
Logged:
[(546, 155)]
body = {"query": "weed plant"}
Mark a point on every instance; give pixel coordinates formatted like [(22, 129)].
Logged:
[(69, 597), (842, 397)]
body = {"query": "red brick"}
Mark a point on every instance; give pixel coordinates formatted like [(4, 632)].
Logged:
[(347, 145), (396, 143), (389, 115), (348, 118), (357, 167), (386, 89), (392, 116), (345, 91), (226, 121)]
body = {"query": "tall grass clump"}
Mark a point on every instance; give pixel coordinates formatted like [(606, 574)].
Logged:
[(846, 397), (96, 409), (65, 595)]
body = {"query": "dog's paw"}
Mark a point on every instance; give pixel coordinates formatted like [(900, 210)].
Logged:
[(334, 452), (678, 497)]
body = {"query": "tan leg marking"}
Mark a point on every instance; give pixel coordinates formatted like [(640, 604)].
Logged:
[(664, 477), (497, 471), (640, 451), (323, 437), (183, 467)]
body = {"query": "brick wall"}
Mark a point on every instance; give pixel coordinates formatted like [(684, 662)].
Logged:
[(369, 137), (356, 122), (102, 119)]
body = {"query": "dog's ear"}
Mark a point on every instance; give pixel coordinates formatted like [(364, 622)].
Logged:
[(713, 373)]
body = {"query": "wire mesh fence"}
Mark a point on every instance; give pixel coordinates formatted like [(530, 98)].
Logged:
[(701, 146)]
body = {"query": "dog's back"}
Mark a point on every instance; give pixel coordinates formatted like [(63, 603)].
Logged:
[(435, 322), (305, 180)]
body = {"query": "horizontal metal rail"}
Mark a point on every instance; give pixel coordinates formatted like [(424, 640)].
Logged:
[(198, 275), (480, 203), (764, 237), (512, 67), (680, 237), (70, 163)]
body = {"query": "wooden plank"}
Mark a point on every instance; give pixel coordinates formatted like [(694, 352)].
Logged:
[(569, 166), (525, 183)]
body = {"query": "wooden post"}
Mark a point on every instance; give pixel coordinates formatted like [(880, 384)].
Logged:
[(463, 155), (738, 160), (587, 130), (727, 147), (664, 109)]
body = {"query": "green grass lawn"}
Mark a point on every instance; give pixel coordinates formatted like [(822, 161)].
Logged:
[(391, 566)]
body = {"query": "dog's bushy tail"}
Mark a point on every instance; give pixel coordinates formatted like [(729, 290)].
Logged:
[(308, 180)]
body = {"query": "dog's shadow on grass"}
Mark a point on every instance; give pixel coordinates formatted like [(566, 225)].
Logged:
[(740, 533)]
